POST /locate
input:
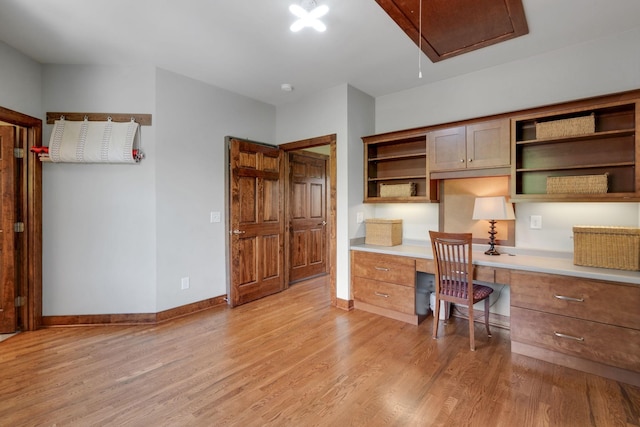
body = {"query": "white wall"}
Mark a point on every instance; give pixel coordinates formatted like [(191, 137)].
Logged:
[(99, 221), (603, 66), (20, 82), (193, 119), (348, 113)]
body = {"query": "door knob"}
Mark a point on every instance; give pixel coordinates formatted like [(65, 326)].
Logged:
[(323, 223), (236, 231)]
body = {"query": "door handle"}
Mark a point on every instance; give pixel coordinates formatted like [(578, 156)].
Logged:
[(236, 231), (323, 223)]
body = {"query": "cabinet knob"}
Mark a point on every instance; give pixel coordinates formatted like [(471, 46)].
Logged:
[(461, 160), (469, 160)]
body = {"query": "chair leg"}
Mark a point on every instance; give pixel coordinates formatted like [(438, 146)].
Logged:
[(436, 317), (472, 341), (486, 316)]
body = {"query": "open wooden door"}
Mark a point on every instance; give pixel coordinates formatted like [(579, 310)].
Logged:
[(8, 270), (256, 220), (308, 215)]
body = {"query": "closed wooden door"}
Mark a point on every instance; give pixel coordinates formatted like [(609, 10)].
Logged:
[(308, 215), (256, 220), (8, 268)]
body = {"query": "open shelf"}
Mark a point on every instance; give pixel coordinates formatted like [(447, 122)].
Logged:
[(609, 148)]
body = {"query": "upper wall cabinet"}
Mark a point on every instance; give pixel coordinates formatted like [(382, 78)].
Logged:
[(475, 146), (395, 169), (580, 154)]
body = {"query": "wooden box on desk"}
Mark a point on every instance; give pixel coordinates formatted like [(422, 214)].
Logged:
[(383, 232), (608, 247)]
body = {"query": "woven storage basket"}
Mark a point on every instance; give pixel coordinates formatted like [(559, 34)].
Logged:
[(566, 127), (383, 232), (582, 184), (398, 190), (608, 247)]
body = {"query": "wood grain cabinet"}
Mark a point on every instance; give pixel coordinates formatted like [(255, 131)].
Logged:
[(475, 146), (609, 147), (584, 324), (385, 285)]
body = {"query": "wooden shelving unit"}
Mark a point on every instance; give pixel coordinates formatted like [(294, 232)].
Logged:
[(612, 149), (398, 161)]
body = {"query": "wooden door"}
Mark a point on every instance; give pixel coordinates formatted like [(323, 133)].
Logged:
[(308, 215), (8, 268), (256, 220), (447, 149)]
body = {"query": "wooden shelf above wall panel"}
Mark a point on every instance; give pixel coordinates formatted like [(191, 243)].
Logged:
[(141, 119)]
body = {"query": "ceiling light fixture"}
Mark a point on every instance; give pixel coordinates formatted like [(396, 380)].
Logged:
[(308, 14)]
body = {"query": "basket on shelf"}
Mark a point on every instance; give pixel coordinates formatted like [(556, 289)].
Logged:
[(383, 232), (398, 190), (608, 247), (566, 127), (581, 184)]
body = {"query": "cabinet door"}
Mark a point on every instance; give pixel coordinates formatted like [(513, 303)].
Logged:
[(488, 144), (447, 149)]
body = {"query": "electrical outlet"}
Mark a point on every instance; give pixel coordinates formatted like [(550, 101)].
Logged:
[(184, 283), (536, 222)]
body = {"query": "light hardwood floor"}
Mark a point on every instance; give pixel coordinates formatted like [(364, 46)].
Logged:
[(293, 360)]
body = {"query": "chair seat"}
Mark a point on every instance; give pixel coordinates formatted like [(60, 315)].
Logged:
[(480, 292)]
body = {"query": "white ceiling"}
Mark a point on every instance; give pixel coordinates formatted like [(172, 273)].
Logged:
[(245, 46)]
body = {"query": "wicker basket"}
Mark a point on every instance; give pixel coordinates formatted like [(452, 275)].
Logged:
[(398, 190), (383, 232), (582, 184), (566, 127), (608, 247)]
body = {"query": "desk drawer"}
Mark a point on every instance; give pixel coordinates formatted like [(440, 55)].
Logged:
[(385, 295), (387, 268), (611, 345), (599, 301), (491, 275)]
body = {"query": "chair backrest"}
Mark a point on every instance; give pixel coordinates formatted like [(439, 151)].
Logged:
[(453, 264)]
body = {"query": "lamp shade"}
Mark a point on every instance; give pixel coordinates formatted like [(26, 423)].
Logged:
[(492, 208)]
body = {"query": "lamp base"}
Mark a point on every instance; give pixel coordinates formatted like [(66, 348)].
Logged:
[(492, 239), (492, 251)]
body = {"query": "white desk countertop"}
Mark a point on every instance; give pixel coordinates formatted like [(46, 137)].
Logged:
[(540, 262)]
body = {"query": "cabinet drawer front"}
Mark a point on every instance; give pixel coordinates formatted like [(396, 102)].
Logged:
[(611, 345), (388, 268), (605, 302), (385, 295)]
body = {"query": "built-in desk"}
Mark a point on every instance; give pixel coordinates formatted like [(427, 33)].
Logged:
[(580, 317)]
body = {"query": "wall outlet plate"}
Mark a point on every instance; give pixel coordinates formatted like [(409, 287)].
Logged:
[(536, 222)]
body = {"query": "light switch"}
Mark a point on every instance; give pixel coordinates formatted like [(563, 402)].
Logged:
[(536, 222), (360, 217), (215, 216)]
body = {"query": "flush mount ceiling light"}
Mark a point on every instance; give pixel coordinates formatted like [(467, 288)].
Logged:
[(308, 14)]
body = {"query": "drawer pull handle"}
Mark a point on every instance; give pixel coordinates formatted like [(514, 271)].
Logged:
[(560, 335), (382, 269), (380, 294), (564, 298)]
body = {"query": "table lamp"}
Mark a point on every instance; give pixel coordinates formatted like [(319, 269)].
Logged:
[(492, 209)]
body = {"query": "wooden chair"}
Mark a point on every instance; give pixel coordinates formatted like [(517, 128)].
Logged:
[(454, 277)]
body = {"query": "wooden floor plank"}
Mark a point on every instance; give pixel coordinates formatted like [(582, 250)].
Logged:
[(293, 360)]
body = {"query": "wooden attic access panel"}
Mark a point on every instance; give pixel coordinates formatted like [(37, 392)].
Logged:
[(454, 27)]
